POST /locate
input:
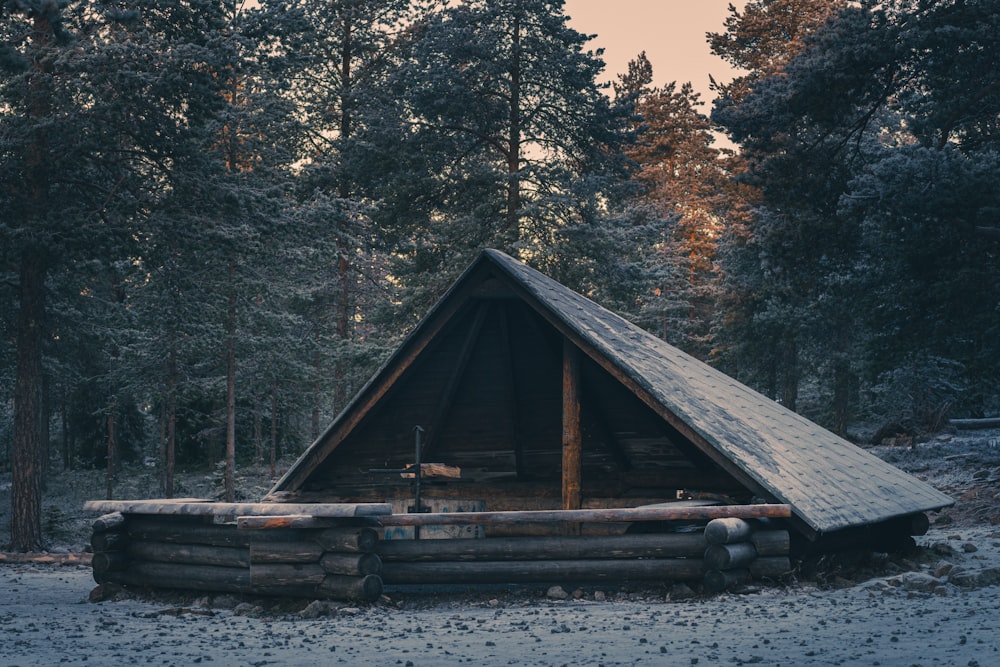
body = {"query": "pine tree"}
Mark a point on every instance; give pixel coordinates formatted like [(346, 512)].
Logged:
[(504, 137), (873, 130)]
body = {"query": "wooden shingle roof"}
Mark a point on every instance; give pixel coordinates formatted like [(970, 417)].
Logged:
[(830, 483)]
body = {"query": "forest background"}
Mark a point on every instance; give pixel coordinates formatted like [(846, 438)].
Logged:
[(219, 217)]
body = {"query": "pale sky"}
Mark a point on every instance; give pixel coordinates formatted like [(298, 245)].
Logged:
[(671, 32)]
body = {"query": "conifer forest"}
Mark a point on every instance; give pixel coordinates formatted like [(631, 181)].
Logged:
[(218, 217)]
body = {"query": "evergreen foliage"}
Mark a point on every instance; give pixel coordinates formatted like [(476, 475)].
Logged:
[(219, 217)]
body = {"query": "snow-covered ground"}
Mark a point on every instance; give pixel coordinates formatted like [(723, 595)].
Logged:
[(938, 606)]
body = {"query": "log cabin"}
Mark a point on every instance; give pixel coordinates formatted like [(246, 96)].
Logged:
[(516, 393)]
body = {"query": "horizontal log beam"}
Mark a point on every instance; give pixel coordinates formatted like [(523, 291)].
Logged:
[(111, 521), (187, 507), (589, 515), (361, 564), (293, 521), (192, 531), (653, 545), (285, 552), (194, 554), (238, 580), (729, 556), (511, 572)]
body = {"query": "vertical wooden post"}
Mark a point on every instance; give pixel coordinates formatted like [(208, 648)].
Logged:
[(572, 437)]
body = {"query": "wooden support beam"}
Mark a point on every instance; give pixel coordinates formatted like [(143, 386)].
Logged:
[(572, 435), (292, 521), (447, 398), (457, 572), (612, 515), (652, 545), (208, 508)]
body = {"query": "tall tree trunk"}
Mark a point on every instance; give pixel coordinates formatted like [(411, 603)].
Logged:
[(514, 140), (67, 452), (841, 381), (171, 446), (789, 373), (230, 471), (26, 482), (344, 191), (112, 455)]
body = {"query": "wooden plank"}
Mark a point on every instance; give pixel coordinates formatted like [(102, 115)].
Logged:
[(292, 521), (659, 569), (208, 508), (652, 545), (191, 530), (193, 554), (572, 435), (285, 552), (590, 515)]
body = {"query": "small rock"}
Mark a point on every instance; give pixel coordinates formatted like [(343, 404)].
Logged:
[(942, 549), (556, 593), (104, 592), (970, 548), (247, 609), (600, 596), (314, 609), (919, 581), (577, 594), (943, 520), (942, 569), (964, 579), (989, 576), (494, 602), (681, 591)]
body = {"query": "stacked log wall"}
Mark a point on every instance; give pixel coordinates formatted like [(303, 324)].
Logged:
[(332, 556), (335, 561)]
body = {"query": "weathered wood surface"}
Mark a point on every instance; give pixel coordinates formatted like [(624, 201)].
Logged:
[(433, 470), (654, 545), (283, 581), (360, 539), (285, 552), (716, 581), (354, 565), (187, 507), (728, 530), (183, 576), (109, 541), (111, 521), (196, 554), (572, 435), (159, 529), (586, 515), (292, 521), (40, 558), (286, 574), (729, 556), (367, 588), (106, 561), (497, 572), (770, 567), (772, 542)]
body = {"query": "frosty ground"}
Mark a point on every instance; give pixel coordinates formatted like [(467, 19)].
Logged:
[(939, 605)]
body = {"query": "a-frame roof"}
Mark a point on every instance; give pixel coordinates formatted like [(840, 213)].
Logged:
[(830, 483)]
